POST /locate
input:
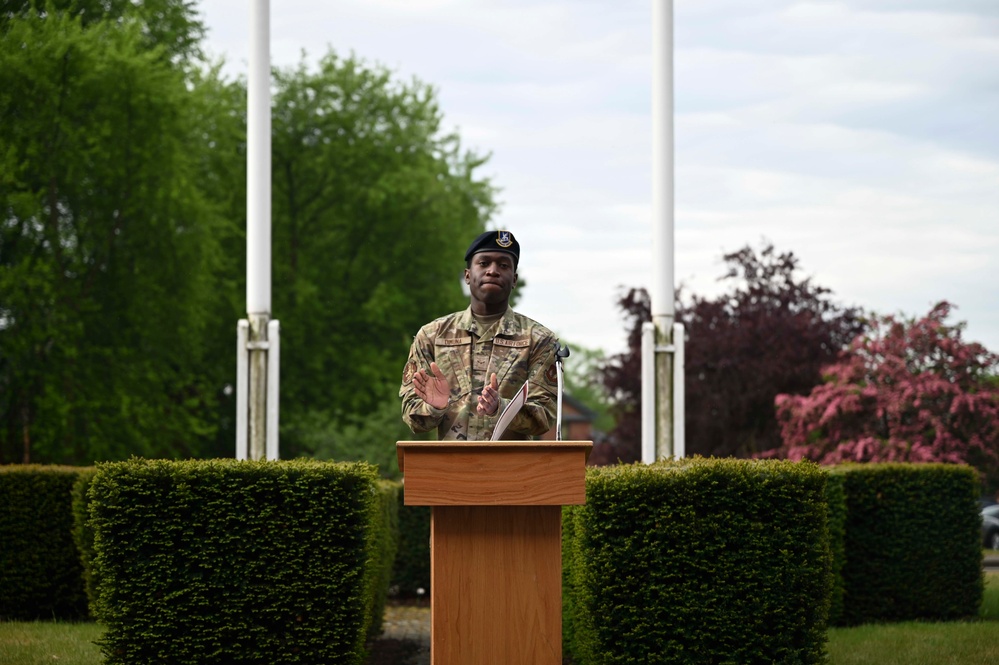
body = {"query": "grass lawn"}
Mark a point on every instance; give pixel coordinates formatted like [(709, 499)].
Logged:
[(913, 643), (918, 643), (34, 643)]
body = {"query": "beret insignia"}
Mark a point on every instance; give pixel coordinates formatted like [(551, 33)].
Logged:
[(495, 241), (408, 372)]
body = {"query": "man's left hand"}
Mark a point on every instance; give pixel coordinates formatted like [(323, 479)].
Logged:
[(489, 398)]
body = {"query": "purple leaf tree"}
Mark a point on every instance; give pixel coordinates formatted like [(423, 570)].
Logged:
[(905, 391)]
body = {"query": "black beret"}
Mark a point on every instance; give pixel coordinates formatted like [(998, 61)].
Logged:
[(495, 241)]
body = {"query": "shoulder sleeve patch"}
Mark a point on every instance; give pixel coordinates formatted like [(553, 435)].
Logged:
[(408, 372), (551, 375)]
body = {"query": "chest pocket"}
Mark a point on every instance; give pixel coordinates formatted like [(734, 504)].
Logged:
[(454, 355), (511, 361)]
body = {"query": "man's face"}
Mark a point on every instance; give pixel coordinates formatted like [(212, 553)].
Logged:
[(491, 278)]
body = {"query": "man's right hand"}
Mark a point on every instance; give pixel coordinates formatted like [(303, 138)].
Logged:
[(432, 388)]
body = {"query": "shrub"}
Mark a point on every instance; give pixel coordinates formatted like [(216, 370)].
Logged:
[(223, 561), (836, 499), (699, 561), (83, 533), (906, 392), (40, 570), (412, 564), (386, 527), (913, 543)]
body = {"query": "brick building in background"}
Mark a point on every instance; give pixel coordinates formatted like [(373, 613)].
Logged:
[(577, 421)]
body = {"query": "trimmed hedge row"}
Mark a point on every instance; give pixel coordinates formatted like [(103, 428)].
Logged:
[(83, 533), (386, 526), (912, 541), (836, 500), (698, 561), (252, 562), (40, 570), (412, 565), (903, 539)]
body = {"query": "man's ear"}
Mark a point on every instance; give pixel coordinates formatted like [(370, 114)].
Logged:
[(468, 276), (514, 279)]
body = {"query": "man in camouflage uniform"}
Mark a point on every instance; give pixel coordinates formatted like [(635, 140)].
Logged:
[(464, 368)]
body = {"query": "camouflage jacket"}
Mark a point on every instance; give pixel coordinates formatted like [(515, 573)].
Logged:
[(517, 349)]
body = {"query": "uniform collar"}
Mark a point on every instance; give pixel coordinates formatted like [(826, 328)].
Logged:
[(506, 326)]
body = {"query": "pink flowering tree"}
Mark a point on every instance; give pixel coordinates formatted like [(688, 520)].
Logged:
[(905, 391)]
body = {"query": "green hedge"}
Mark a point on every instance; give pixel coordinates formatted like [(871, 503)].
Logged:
[(913, 543), (40, 570), (386, 528), (412, 564), (836, 499), (83, 533), (223, 561), (698, 561), (577, 623)]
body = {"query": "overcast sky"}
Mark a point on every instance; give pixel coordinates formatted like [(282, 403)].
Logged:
[(861, 135)]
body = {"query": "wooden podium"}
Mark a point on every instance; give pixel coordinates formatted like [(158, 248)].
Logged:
[(495, 544)]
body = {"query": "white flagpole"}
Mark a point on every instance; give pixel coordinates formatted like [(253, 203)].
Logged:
[(262, 386), (662, 295)]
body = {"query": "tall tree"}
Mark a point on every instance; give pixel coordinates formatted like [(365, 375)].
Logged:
[(374, 206), (122, 244), (770, 333), (907, 391), (622, 377), (172, 26), (106, 244)]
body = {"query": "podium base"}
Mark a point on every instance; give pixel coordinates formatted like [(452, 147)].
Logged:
[(496, 585)]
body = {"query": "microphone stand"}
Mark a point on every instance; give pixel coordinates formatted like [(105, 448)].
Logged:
[(561, 352)]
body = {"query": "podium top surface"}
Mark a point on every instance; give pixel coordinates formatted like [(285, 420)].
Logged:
[(494, 472), (402, 447)]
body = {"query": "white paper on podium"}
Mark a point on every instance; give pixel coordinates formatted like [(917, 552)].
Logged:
[(510, 412)]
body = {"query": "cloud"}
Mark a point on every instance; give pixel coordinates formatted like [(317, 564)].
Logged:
[(858, 134)]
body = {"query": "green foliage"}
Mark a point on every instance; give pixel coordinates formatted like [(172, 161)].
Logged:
[(353, 437), (122, 249), (699, 561), (386, 528), (412, 563), (913, 543), (836, 499), (990, 600), (374, 207), (583, 381), (224, 561), (106, 245), (40, 571), (83, 532), (386, 536), (171, 26), (578, 633)]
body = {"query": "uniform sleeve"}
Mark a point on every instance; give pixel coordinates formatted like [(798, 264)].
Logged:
[(538, 414), (417, 414)]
